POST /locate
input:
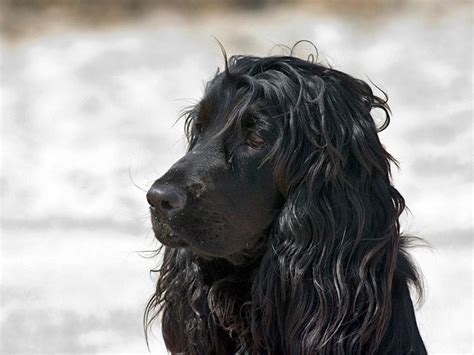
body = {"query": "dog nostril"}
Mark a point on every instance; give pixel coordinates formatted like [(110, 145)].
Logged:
[(166, 205)]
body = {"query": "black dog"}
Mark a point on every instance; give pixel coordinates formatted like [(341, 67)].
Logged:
[(281, 223)]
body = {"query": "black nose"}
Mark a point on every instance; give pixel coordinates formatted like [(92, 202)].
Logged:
[(166, 199)]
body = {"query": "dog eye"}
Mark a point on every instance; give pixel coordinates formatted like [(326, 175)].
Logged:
[(254, 140), (197, 126)]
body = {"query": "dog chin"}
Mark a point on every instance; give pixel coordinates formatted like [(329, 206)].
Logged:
[(172, 243), (167, 236)]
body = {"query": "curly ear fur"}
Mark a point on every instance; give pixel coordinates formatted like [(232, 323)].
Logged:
[(335, 246), (332, 277)]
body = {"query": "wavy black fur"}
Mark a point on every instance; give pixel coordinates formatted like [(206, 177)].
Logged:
[(331, 274)]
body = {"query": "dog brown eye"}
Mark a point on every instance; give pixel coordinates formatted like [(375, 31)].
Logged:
[(255, 141)]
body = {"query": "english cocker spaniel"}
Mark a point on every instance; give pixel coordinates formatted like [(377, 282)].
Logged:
[(281, 224)]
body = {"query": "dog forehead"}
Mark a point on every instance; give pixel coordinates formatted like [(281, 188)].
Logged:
[(216, 105)]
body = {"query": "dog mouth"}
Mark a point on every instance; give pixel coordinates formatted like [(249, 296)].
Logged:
[(203, 241), (165, 233), (170, 234)]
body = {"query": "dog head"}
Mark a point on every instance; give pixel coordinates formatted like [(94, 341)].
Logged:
[(220, 198), (267, 132)]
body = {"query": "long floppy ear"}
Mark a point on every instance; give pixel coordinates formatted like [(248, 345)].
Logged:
[(324, 286)]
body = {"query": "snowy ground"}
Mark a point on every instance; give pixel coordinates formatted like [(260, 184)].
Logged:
[(87, 121)]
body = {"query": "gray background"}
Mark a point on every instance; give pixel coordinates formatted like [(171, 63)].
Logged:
[(88, 103)]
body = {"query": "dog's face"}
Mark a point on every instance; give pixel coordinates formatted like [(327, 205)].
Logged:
[(220, 199)]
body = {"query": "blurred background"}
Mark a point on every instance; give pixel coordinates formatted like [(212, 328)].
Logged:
[(90, 91)]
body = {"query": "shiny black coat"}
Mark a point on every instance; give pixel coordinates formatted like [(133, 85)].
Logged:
[(281, 224)]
